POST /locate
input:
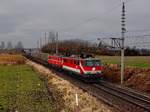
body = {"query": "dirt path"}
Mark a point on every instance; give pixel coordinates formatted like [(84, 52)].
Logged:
[(64, 94)]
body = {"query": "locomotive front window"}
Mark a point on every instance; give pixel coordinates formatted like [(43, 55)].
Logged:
[(97, 62), (89, 63), (92, 63)]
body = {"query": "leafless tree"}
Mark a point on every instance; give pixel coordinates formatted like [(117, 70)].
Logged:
[(2, 45), (19, 45), (9, 46)]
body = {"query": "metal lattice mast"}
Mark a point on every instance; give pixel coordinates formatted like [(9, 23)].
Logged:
[(57, 43), (122, 44)]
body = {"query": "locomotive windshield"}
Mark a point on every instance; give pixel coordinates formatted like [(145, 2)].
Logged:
[(92, 63)]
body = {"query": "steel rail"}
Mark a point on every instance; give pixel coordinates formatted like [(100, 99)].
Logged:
[(123, 93), (125, 96), (127, 91)]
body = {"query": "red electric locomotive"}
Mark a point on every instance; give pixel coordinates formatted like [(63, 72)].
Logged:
[(85, 67)]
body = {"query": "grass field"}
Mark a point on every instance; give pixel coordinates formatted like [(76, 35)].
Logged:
[(6, 59), (131, 61), (22, 91)]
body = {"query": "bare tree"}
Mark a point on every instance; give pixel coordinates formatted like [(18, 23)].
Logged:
[(19, 45), (2, 45), (9, 46), (52, 36)]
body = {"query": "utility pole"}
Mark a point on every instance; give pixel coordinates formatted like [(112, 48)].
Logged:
[(118, 43), (45, 38), (57, 43), (48, 37), (122, 43), (37, 44), (40, 43)]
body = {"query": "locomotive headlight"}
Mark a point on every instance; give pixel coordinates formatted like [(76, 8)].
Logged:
[(93, 69)]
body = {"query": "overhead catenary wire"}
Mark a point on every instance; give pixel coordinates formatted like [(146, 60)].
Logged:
[(93, 18), (107, 35)]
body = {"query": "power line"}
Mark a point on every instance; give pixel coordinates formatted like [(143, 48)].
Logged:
[(139, 36), (140, 43), (135, 36), (93, 18), (138, 30)]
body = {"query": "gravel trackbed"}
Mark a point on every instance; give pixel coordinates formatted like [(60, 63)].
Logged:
[(64, 93)]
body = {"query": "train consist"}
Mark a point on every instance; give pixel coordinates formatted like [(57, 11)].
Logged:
[(84, 67)]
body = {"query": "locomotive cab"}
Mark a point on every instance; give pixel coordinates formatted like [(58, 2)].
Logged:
[(91, 67)]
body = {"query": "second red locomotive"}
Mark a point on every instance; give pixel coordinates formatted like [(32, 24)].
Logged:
[(84, 67)]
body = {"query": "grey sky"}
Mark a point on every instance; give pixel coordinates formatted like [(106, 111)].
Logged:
[(27, 20)]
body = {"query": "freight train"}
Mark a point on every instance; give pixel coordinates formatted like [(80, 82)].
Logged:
[(84, 67)]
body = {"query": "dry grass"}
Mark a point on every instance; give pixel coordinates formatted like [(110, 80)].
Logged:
[(64, 92), (9, 59), (137, 78), (140, 82), (112, 72)]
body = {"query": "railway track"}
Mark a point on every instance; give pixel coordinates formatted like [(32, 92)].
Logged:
[(126, 94), (110, 90)]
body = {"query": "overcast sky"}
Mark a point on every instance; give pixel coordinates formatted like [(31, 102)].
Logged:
[(27, 20)]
